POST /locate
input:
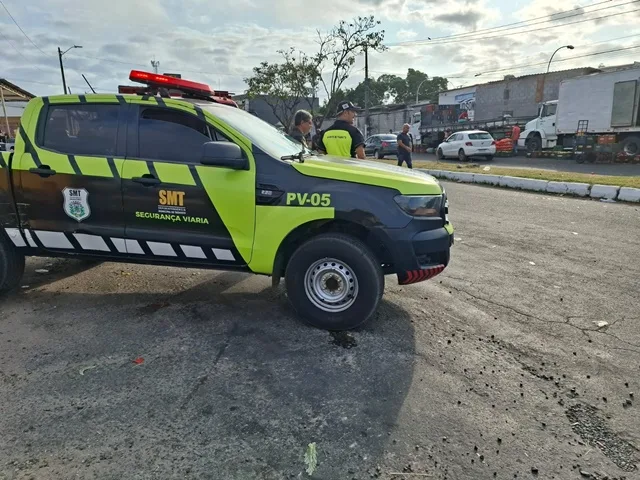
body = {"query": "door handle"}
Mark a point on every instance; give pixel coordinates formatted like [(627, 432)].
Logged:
[(147, 180), (43, 170)]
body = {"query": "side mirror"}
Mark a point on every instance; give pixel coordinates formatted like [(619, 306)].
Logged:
[(223, 154)]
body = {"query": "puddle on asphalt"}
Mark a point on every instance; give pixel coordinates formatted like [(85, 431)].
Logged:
[(343, 339)]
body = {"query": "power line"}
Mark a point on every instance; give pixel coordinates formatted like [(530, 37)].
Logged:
[(428, 42), (23, 32), (547, 17)]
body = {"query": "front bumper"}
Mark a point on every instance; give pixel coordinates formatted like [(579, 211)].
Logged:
[(419, 251)]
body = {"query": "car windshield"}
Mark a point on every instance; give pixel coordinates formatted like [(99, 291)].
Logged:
[(480, 136), (262, 134)]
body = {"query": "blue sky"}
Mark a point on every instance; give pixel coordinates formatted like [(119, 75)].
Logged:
[(219, 41)]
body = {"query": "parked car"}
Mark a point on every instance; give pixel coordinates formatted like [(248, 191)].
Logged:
[(467, 144), (381, 145)]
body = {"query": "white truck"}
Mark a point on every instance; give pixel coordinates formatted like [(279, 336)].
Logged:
[(592, 105)]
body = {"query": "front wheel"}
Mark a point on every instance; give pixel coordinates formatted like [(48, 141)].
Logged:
[(334, 282), (11, 265), (439, 154)]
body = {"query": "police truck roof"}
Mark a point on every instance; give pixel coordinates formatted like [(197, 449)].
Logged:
[(171, 86)]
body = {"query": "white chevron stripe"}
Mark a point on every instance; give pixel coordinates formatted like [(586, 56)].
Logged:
[(222, 254), (193, 252), (119, 244), (16, 237), (162, 249), (91, 242), (53, 239), (27, 233), (133, 247)]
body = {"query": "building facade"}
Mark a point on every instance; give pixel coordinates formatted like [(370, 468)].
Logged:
[(15, 101)]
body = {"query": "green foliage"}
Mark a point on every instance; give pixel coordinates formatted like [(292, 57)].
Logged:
[(311, 458), (284, 85)]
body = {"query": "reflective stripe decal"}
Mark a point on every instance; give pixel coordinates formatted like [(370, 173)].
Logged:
[(120, 244), (91, 242), (192, 252), (53, 239), (133, 247), (32, 243), (96, 243), (16, 237), (223, 254), (162, 249)]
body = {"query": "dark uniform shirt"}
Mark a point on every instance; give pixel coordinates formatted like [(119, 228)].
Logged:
[(297, 134), (402, 153), (341, 139)]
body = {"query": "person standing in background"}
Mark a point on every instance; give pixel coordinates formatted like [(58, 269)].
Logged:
[(343, 139), (302, 124), (404, 146), (515, 135)]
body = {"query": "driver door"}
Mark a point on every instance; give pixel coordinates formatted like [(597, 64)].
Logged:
[(175, 208)]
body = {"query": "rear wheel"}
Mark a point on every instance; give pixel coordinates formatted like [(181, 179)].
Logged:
[(439, 154), (631, 146), (462, 156), (377, 154), (11, 265), (334, 282), (489, 157)]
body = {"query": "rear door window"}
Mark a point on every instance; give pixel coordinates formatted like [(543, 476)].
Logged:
[(83, 129)]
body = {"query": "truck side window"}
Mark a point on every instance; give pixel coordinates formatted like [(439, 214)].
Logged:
[(82, 129), (165, 134)]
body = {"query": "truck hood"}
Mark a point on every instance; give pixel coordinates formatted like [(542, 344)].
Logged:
[(406, 181)]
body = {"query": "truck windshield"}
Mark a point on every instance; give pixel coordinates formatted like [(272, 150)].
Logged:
[(262, 134)]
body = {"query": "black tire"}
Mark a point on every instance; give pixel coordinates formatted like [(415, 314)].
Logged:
[(462, 156), (489, 158), (631, 146), (11, 265), (439, 154), (377, 154), (534, 144), (361, 266)]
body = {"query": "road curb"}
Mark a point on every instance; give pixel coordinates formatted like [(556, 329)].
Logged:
[(608, 192)]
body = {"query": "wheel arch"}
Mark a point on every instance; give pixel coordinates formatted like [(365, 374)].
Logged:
[(308, 230)]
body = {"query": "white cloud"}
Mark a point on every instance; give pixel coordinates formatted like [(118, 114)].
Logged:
[(221, 44)]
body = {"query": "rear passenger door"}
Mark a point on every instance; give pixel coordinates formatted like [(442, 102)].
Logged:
[(172, 203), (69, 189)]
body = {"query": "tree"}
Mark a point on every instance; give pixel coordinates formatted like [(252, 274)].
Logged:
[(339, 49), (285, 85)]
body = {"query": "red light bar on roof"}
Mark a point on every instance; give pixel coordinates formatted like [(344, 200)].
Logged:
[(170, 82)]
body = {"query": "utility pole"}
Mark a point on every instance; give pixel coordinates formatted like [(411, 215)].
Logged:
[(64, 83), (60, 54), (4, 109), (366, 92)]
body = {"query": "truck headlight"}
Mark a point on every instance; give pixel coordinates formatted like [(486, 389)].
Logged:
[(420, 205)]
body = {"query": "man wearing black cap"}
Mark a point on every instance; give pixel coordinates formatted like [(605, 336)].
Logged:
[(343, 139)]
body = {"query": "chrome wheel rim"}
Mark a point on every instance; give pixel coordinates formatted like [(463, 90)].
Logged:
[(331, 285)]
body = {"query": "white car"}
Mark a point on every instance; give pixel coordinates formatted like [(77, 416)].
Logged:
[(466, 144)]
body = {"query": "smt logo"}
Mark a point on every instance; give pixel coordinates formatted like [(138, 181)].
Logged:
[(76, 203)]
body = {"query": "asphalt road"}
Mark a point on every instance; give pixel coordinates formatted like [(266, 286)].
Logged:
[(559, 165), (495, 369)]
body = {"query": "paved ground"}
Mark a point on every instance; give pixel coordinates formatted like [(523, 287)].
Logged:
[(548, 164), (495, 369)]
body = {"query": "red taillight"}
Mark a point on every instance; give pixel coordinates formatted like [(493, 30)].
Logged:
[(385, 144), (493, 143), (167, 81), (469, 144)]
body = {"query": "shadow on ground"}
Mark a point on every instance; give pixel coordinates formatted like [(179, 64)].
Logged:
[(228, 384)]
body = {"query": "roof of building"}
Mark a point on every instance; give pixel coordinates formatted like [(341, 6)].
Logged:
[(13, 92)]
